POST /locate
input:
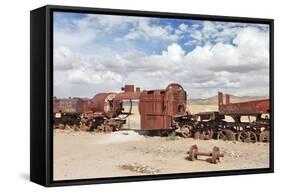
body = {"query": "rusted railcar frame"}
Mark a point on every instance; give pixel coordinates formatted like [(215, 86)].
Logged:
[(253, 107)]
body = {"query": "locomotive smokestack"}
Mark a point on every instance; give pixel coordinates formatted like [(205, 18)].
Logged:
[(128, 88)]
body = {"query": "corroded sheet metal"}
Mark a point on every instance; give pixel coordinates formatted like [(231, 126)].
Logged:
[(128, 88), (158, 107), (243, 108), (156, 122), (75, 105), (175, 99), (128, 96), (152, 111)]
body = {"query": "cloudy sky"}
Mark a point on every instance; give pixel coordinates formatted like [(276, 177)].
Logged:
[(100, 53)]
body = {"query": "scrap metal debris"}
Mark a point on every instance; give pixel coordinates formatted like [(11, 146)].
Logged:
[(215, 155)]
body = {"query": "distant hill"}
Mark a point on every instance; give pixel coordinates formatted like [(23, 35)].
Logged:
[(233, 99)]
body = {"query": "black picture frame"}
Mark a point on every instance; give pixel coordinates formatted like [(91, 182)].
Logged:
[(41, 94)]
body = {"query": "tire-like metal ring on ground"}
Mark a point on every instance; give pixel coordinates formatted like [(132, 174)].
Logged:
[(226, 135), (264, 136), (186, 130), (247, 137), (193, 152)]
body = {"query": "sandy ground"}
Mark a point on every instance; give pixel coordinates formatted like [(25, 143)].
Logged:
[(79, 155), (84, 155)]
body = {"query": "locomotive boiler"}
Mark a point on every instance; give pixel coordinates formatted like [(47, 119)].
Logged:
[(104, 112)]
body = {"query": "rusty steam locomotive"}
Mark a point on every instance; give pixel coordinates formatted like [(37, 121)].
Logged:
[(165, 111)]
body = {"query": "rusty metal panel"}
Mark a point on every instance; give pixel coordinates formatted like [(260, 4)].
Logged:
[(152, 102), (156, 122), (129, 93), (87, 106), (151, 106), (128, 96), (175, 100), (128, 88), (227, 99), (179, 103), (244, 108), (75, 105), (158, 107)]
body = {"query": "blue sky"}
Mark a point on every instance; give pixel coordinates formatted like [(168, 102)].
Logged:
[(96, 53)]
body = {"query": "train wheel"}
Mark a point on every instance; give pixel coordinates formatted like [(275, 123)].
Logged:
[(243, 136), (100, 128), (203, 134), (75, 127), (186, 130), (61, 126), (193, 152), (197, 135), (108, 128), (264, 137), (84, 127), (247, 137), (253, 137), (226, 135), (208, 134)]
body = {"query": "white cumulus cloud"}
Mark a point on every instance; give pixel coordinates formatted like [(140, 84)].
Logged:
[(229, 57)]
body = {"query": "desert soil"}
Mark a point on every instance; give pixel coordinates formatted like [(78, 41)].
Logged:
[(81, 155), (84, 155)]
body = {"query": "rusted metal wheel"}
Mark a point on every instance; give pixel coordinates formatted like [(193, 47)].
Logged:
[(84, 127), (186, 130), (215, 155), (247, 137), (206, 135), (61, 126), (197, 135), (264, 137), (75, 127), (226, 135), (203, 134), (100, 128), (108, 128), (253, 137), (243, 136), (193, 152)]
